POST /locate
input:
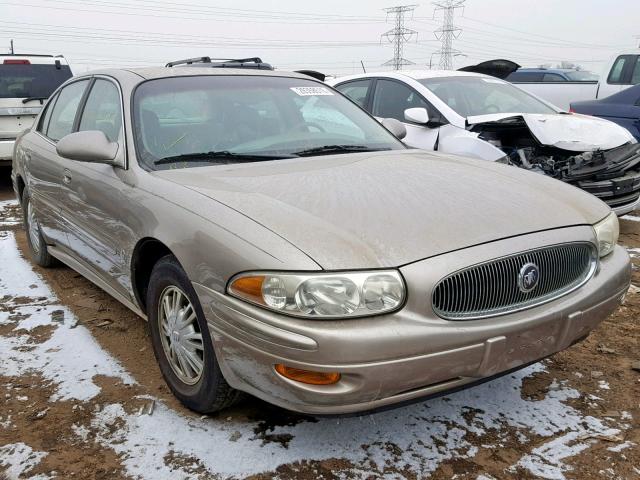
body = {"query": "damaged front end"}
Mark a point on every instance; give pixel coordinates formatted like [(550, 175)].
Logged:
[(612, 175)]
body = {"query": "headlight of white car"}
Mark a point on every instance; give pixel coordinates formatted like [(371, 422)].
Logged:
[(322, 295), (607, 232)]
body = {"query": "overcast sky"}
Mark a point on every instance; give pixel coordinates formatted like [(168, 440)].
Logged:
[(332, 36)]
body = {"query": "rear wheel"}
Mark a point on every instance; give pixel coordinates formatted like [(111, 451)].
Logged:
[(181, 340), (37, 246)]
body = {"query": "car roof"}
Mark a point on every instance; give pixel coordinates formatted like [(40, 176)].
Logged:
[(149, 73), (34, 59), (546, 70), (422, 74), (413, 74)]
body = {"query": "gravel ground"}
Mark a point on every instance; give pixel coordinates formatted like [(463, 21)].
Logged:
[(81, 397)]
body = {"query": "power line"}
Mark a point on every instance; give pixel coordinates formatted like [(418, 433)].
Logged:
[(399, 35), (127, 9), (447, 32)]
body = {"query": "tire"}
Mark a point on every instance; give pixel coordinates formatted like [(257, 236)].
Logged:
[(207, 391), (37, 245)]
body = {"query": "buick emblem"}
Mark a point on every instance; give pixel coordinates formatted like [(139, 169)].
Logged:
[(528, 277)]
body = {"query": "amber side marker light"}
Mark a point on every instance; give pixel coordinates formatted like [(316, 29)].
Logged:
[(250, 287), (307, 376)]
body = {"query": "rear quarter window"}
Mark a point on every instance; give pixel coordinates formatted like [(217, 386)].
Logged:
[(46, 116)]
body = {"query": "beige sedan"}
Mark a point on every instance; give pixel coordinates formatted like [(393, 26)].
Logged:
[(284, 243)]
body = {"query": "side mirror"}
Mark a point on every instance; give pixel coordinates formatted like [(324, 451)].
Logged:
[(417, 115), (89, 146), (395, 127)]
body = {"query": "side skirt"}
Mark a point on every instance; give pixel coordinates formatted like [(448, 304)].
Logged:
[(93, 277)]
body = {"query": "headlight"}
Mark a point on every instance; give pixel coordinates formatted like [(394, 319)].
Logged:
[(322, 295), (607, 232)]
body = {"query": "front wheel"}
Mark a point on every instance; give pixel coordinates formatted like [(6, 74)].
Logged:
[(37, 246), (181, 341)]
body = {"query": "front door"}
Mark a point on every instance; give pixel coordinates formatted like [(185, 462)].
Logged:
[(97, 194), (391, 98)]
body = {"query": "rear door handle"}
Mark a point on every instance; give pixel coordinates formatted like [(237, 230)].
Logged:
[(66, 178)]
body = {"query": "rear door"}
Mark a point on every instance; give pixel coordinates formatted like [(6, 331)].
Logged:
[(391, 98), (46, 170)]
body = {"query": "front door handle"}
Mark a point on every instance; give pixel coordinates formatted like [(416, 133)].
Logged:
[(66, 178)]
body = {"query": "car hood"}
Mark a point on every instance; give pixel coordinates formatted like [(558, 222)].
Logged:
[(387, 209), (577, 133)]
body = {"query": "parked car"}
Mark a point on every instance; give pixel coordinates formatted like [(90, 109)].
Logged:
[(620, 72), (25, 82), (323, 269), (483, 117), (551, 75), (622, 108)]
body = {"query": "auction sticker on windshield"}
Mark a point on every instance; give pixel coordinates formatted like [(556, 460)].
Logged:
[(311, 91)]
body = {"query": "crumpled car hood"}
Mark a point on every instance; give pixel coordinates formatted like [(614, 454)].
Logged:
[(387, 209), (577, 133)]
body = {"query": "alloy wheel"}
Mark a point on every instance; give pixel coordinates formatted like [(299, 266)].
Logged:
[(34, 229), (180, 335)]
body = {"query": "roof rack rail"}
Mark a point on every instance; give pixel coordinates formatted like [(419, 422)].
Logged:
[(252, 62), (29, 55)]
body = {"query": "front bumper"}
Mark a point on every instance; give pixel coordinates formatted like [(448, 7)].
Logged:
[(621, 194), (410, 354), (6, 152)]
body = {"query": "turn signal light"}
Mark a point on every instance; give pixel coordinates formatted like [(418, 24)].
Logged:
[(249, 287), (308, 376)]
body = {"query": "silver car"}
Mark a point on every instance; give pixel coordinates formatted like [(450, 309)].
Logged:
[(282, 242)]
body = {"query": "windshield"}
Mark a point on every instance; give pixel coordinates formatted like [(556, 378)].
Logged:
[(188, 121), (29, 81), (581, 76), (469, 96)]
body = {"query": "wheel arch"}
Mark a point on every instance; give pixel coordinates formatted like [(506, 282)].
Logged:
[(147, 252), (21, 185)]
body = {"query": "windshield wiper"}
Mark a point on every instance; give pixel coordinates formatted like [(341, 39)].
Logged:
[(222, 156), (329, 149), (29, 99)]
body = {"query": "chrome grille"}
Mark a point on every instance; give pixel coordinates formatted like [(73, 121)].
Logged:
[(492, 288)]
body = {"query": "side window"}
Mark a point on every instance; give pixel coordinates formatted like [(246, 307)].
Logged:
[(635, 76), (552, 77), (64, 111), (356, 91), (525, 77), (103, 110), (44, 119), (617, 71), (391, 99)]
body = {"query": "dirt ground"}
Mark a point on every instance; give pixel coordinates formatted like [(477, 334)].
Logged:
[(600, 369)]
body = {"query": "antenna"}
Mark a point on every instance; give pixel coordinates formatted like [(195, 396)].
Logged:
[(11, 46), (399, 35), (447, 32)]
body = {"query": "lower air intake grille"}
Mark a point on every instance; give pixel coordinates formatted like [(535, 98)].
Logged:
[(515, 282)]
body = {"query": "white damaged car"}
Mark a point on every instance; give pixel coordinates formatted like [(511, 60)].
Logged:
[(484, 117)]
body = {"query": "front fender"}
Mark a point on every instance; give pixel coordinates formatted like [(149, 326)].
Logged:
[(457, 141)]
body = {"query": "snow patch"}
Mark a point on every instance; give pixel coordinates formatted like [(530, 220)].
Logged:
[(622, 446), (18, 459), (7, 216), (57, 359)]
